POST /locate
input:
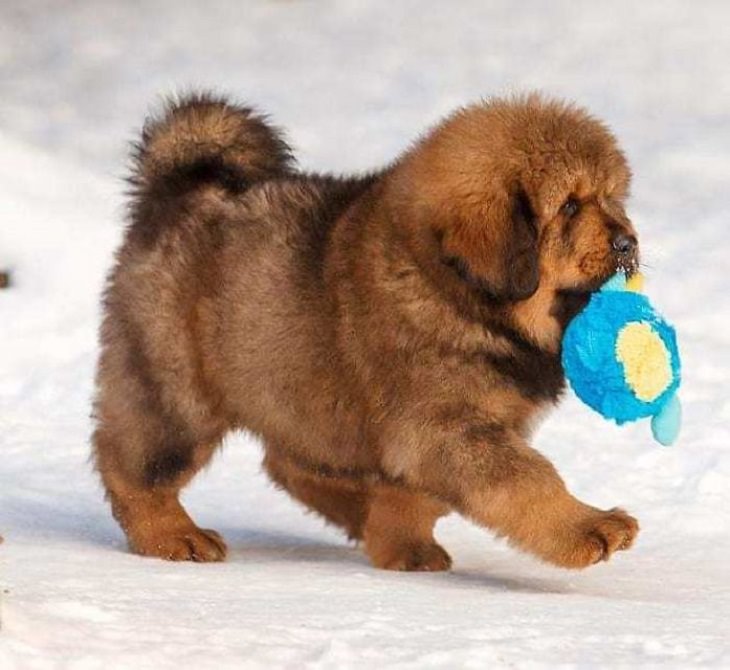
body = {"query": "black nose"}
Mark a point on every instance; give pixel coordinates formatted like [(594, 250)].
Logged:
[(624, 244)]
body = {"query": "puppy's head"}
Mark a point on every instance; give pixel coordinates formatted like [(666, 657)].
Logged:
[(525, 201)]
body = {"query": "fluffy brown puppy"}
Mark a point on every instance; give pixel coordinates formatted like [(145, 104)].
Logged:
[(391, 338)]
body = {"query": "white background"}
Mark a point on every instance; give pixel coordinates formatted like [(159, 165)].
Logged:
[(354, 82)]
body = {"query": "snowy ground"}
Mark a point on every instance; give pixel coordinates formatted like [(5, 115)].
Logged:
[(353, 81)]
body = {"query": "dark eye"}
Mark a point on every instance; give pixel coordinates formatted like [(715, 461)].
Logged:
[(570, 208)]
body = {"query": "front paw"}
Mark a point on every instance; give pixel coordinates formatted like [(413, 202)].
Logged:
[(595, 538), (414, 556)]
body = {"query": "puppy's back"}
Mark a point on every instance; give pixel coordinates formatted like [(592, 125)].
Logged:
[(217, 314)]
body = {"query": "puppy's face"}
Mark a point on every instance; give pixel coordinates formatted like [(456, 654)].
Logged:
[(526, 200), (583, 235)]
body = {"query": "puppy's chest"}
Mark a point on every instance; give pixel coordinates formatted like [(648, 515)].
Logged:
[(537, 375), (534, 375)]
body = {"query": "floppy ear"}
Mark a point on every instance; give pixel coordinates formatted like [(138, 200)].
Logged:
[(496, 250)]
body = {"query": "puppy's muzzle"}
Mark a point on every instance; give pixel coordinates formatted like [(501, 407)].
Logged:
[(626, 249), (624, 245)]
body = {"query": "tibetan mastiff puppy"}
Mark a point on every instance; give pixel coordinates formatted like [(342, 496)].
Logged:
[(391, 338)]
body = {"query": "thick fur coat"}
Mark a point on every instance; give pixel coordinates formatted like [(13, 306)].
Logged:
[(392, 337)]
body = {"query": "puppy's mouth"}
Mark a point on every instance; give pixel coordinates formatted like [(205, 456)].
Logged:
[(573, 300), (568, 303), (627, 265), (586, 289)]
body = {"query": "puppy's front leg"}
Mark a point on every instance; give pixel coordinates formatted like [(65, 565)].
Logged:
[(494, 477)]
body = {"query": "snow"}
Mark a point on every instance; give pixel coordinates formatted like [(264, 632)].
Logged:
[(354, 82)]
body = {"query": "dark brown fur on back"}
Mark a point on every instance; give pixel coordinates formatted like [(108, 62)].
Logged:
[(391, 337)]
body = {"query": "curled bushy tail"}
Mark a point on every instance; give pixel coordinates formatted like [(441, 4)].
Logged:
[(201, 138)]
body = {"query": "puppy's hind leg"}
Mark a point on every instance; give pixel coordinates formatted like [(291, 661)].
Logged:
[(145, 456), (143, 487)]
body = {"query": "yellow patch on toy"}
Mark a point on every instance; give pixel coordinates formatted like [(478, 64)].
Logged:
[(635, 283), (646, 360)]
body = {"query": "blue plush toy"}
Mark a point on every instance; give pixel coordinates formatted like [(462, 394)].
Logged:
[(620, 357)]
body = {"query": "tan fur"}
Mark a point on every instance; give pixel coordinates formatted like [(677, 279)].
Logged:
[(399, 531), (391, 338)]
